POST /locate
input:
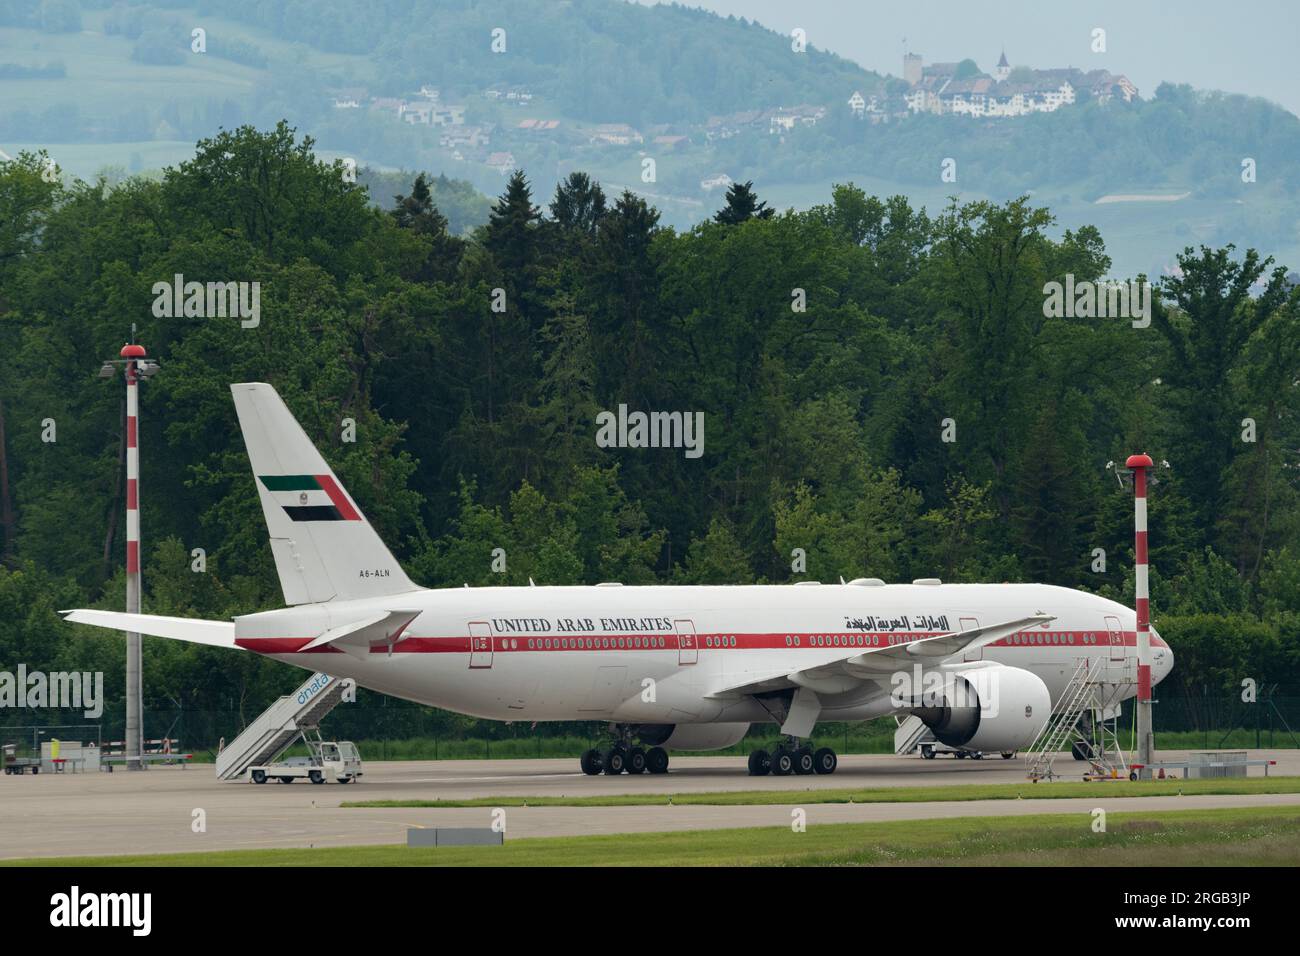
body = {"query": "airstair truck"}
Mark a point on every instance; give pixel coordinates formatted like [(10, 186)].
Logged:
[(329, 760), (253, 755)]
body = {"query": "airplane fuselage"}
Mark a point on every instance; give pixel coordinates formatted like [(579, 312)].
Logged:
[(661, 654)]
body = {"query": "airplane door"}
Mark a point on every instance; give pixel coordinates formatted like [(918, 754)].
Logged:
[(1116, 635), (687, 644), (973, 654), (480, 644)]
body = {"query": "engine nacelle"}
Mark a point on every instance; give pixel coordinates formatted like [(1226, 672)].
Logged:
[(990, 708), (692, 736)]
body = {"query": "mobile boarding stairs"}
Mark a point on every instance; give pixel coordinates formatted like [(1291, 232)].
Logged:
[(264, 740), (1084, 722)]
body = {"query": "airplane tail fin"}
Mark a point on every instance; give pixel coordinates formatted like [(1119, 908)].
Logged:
[(324, 548)]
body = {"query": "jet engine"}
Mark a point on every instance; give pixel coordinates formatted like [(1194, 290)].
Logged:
[(990, 708), (691, 736)]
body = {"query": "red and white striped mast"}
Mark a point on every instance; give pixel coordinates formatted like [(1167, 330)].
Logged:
[(136, 366), (1139, 464), (133, 354)]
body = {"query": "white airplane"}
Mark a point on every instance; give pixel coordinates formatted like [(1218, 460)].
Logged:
[(680, 668)]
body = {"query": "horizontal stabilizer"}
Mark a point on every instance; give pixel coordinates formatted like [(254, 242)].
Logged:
[(194, 630), (356, 638)]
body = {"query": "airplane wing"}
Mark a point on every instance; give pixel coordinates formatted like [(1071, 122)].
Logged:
[(194, 630), (856, 667)]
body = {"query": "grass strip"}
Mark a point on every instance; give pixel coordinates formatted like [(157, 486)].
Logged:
[(1222, 837), (977, 791)]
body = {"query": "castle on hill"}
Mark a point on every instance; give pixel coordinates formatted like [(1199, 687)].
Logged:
[(947, 88)]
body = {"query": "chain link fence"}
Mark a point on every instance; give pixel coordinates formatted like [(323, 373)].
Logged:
[(393, 730)]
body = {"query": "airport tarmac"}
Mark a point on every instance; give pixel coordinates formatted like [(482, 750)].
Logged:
[(153, 812)]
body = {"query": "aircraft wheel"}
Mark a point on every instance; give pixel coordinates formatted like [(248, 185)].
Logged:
[(590, 762), (782, 763), (636, 760), (760, 764), (803, 761), (1081, 750), (977, 755), (825, 761), (1007, 755), (614, 762), (656, 760)]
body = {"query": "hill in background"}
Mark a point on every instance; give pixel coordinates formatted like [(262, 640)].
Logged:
[(606, 86)]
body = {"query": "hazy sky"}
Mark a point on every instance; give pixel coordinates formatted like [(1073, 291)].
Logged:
[(1248, 46)]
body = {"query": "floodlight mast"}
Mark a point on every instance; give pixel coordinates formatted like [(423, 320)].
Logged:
[(1139, 464), (135, 366)]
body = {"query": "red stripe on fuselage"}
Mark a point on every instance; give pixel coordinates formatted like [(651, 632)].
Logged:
[(460, 644)]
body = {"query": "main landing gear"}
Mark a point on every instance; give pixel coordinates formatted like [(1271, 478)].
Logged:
[(624, 756), (792, 757), (620, 758)]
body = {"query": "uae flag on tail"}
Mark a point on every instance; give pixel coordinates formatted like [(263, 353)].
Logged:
[(310, 497)]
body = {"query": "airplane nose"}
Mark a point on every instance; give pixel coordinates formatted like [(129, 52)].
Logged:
[(1162, 659)]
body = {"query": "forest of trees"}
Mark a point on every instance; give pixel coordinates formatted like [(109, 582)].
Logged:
[(825, 349)]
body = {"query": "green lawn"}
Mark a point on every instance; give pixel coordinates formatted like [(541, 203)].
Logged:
[(102, 76), (963, 792), (1236, 837)]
